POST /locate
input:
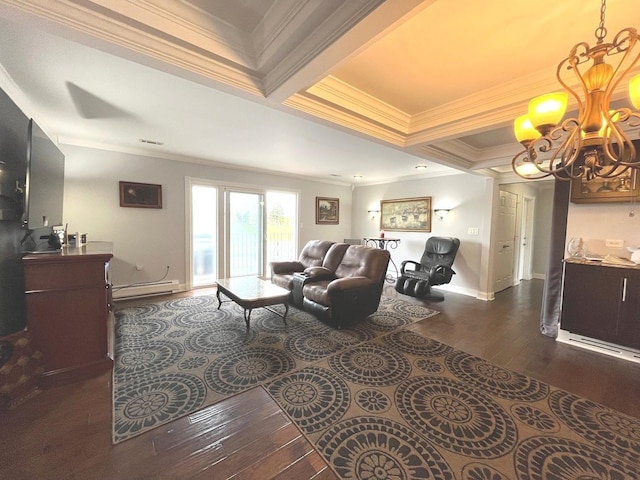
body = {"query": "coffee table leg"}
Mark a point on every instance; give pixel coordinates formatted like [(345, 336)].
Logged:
[(247, 316), (286, 310), (219, 301)]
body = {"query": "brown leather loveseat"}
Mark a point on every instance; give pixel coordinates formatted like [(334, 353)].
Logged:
[(344, 288)]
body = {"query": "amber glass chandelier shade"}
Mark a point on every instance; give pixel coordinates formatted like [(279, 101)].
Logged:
[(546, 111), (596, 142), (524, 130), (634, 91)]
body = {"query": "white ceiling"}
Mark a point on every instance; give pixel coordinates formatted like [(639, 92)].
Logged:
[(326, 89)]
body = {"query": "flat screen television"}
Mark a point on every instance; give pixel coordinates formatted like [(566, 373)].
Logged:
[(44, 190)]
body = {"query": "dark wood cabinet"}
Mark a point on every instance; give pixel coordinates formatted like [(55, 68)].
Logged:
[(69, 312), (602, 302)]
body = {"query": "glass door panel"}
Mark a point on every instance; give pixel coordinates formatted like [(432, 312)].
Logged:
[(245, 220), (204, 235), (282, 227)]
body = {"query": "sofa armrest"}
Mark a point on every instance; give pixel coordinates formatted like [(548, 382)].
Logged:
[(286, 267), (348, 283), (316, 274)]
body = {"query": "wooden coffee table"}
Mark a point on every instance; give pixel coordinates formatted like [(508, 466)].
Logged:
[(253, 292)]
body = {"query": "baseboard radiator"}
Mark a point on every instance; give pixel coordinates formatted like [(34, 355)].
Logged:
[(164, 287)]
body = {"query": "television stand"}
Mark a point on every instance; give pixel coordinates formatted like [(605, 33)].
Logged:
[(69, 311)]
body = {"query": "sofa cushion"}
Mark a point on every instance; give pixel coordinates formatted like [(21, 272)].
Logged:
[(312, 255), (314, 252), (363, 261), (317, 292)]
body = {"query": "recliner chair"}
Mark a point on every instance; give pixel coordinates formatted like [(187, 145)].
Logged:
[(434, 268)]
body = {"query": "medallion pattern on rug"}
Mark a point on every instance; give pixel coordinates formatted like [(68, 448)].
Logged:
[(416, 408), (377, 400), (175, 357)]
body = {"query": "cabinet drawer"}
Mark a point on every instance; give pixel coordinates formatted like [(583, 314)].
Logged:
[(54, 276)]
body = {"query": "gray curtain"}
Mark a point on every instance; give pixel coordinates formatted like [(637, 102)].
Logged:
[(552, 296)]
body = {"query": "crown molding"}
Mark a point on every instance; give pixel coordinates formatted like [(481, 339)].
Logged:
[(316, 107), (270, 36), (187, 24), (442, 156), (98, 24), (334, 91), (305, 46)]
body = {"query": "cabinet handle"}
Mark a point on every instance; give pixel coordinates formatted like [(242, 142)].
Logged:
[(624, 289)]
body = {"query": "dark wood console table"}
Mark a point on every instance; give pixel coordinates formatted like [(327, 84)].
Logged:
[(69, 311)]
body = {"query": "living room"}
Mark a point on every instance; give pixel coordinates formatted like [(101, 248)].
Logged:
[(157, 238)]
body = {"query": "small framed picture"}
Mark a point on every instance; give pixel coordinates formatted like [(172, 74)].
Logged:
[(140, 195), (327, 211)]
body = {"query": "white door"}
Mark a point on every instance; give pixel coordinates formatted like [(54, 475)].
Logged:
[(506, 232), (526, 246)]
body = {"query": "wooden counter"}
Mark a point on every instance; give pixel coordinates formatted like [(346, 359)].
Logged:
[(69, 311)]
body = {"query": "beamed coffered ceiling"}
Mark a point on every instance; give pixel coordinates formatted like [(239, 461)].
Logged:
[(318, 88)]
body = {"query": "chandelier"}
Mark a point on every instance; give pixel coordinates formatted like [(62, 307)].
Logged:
[(595, 144)]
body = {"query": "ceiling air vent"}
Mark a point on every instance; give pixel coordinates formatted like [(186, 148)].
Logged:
[(151, 142)]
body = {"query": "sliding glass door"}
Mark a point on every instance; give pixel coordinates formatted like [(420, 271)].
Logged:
[(235, 231)]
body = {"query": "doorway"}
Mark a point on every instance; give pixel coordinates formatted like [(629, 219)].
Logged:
[(505, 235), (525, 255)]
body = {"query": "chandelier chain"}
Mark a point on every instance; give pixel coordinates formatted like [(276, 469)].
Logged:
[(601, 31)]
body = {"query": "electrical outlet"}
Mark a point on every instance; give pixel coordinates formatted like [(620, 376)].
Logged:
[(473, 231), (139, 268), (613, 243)]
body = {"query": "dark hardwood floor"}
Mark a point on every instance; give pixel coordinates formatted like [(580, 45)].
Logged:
[(65, 433)]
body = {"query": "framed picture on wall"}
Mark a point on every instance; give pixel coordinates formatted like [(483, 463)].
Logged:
[(327, 211), (406, 215), (141, 195)]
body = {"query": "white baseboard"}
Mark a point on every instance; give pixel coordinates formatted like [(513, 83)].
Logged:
[(540, 276), (466, 291), (618, 351), (147, 289)]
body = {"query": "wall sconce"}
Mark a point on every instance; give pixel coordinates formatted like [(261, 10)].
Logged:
[(441, 212), (373, 213)]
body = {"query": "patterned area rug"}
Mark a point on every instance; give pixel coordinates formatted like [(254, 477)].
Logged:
[(403, 406), (176, 357)]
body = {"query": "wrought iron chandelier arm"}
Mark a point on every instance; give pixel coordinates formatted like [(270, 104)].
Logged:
[(596, 143)]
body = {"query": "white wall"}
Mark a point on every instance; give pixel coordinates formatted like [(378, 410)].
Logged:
[(470, 199), (155, 238), (596, 222)]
